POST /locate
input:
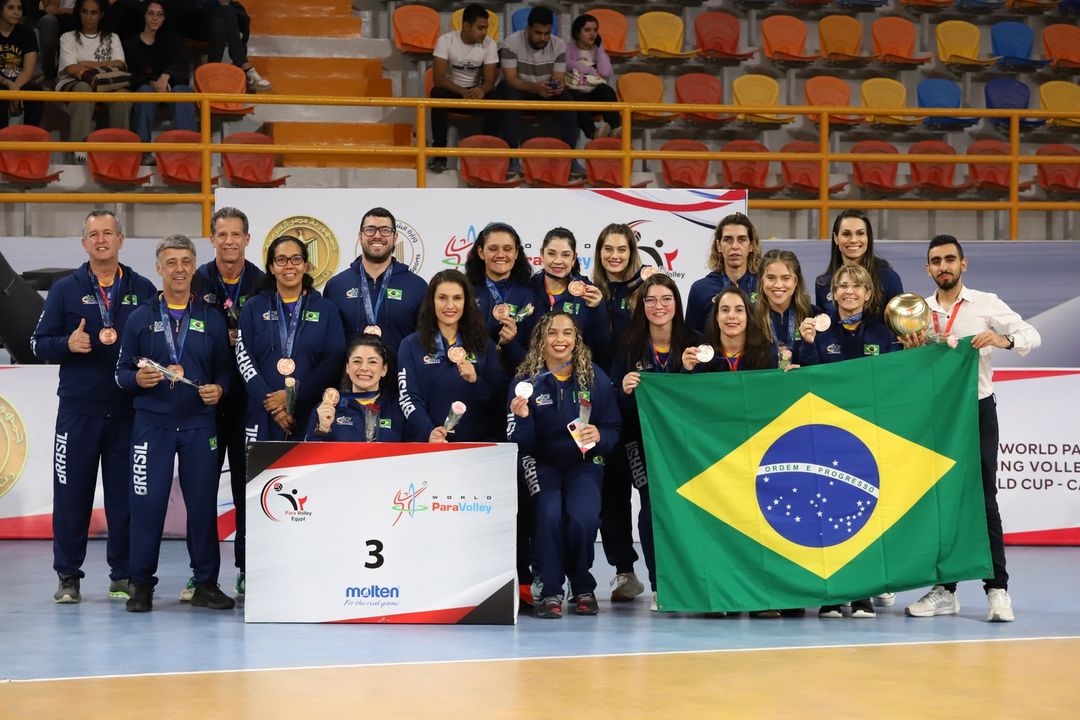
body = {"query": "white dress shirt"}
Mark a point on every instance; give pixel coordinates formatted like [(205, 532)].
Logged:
[(975, 312)]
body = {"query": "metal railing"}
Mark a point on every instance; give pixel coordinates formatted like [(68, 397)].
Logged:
[(420, 152)]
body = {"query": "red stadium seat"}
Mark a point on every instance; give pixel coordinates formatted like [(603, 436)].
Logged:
[(183, 169), (115, 169), (752, 175), (718, 38), (484, 171), (931, 177), (784, 38), (416, 28), (701, 89), (894, 42), (25, 168), (250, 169), (991, 179), (223, 78), (613, 28), (876, 177), (547, 172), (803, 177), (828, 91), (685, 173), (1060, 180), (602, 172)]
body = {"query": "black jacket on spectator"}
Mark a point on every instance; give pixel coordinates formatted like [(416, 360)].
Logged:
[(148, 62)]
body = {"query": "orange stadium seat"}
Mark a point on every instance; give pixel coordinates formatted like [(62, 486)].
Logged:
[(493, 22), (841, 40), (886, 94), (784, 37), (227, 79), (547, 172), (752, 175), (718, 38), (25, 168), (250, 169), (604, 172), (935, 178), (991, 178), (894, 42), (756, 91), (642, 87), (182, 169), (486, 172), (1032, 6), (1061, 96), (1059, 180), (701, 89), (1061, 46), (115, 169), (613, 29), (416, 28), (803, 177), (958, 45), (679, 173), (876, 177), (828, 91), (660, 34)]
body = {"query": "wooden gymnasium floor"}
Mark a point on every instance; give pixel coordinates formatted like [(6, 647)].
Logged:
[(94, 660)]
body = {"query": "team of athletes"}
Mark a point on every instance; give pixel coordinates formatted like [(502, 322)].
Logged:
[(228, 353)]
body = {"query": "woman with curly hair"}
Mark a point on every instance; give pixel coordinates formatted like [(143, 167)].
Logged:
[(564, 419), (449, 360), (734, 256)]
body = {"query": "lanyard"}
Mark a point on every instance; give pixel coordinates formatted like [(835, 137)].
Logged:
[(442, 344), (496, 296), (732, 361), (365, 292), (852, 321), (536, 378), (232, 290), (662, 364), (176, 347), (952, 318), (105, 299), (288, 331), (773, 315)]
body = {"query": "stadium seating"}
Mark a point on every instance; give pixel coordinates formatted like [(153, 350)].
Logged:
[(1010, 94), (605, 172), (755, 91), (958, 45), (25, 169), (547, 172), (116, 170), (803, 177), (751, 175), (877, 178), (1061, 96), (227, 79), (1032, 6), (934, 178), (942, 93), (828, 91), (1059, 180), (520, 20), (701, 89), (493, 23), (858, 6), (416, 29), (840, 37), (784, 40), (926, 6), (180, 169), (679, 173), (660, 35), (486, 172), (886, 94), (894, 42), (717, 36), (252, 170), (1012, 43), (613, 29), (991, 178), (1061, 46), (642, 87), (979, 6)]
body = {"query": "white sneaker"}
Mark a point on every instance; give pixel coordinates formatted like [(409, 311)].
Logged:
[(626, 587), (189, 590), (653, 605), (256, 81), (938, 601), (885, 599), (603, 129), (1000, 606)]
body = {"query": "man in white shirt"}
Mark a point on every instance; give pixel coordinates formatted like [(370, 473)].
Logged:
[(960, 311), (466, 66)]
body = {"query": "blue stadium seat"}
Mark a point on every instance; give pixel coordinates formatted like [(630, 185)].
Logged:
[(1012, 43), (1009, 94), (520, 19), (941, 93)]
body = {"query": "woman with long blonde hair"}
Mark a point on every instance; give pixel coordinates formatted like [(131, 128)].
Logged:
[(782, 305)]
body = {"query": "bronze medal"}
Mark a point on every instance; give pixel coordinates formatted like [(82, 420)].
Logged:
[(373, 330), (331, 396), (107, 336), (456, 355), (576, 288), (176, 370), (286, 366), (647, 272), (501, 312)]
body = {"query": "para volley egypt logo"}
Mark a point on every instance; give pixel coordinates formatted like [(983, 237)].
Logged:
[(280, 498)]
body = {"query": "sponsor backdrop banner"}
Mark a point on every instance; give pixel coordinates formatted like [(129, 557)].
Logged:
[(410, 533)]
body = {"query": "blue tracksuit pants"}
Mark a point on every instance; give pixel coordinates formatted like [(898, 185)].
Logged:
[(566, 518)]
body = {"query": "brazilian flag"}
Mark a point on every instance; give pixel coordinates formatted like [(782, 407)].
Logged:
[(816, 486)]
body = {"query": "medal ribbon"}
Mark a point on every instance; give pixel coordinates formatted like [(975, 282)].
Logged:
[(953, 312), (365, 293), (176, 346), (662, 364), (441, 344), (732, 361), (853, 321), (540, 376), (773, 315), (496, 296), (288, 332), (232, 290), (105, 299)]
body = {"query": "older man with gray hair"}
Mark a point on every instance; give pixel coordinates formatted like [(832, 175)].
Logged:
[(175, 359)]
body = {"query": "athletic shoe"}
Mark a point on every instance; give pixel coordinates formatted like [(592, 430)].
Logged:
[(718, 614), (764, 614), (209, 595), (863, 609), (120, 589), (241, 585), (142, 598), (436, 165), (830, 611), (80, 157), (550, 608), (585, 604), (793, 612), (654, 606), (627, 587), (1000, 606), (938, 601), (188, 591), (602, 130), (885, 599), (68, 590), (525, 594), (257, 82), (577, 172)]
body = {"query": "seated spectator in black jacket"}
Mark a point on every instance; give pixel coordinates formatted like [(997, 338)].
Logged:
[(18, 57), (222, 23), (158, 63)]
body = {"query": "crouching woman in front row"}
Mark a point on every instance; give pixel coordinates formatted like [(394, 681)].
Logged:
[(564, 418)]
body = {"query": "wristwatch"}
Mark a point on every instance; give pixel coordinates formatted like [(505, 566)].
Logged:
[(1012, 342)]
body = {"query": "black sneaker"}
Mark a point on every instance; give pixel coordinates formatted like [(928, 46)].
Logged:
[(68, 590), (585, 604), (142, 598), (550, 608), (863, 609), (209, 595), (436, 165), (830, 611), (793, 612)]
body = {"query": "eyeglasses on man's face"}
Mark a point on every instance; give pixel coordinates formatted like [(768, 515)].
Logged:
[(372, 230)]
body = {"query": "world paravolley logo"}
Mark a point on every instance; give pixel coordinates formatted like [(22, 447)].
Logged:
[(322, 245), (14, 447), (409, 249)]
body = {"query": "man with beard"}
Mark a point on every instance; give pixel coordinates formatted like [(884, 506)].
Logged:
[(377, 294), (960, 311)]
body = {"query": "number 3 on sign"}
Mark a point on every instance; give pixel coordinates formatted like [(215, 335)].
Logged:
[(375, 548)]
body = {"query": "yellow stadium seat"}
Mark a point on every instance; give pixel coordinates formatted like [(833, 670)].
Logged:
[(840, 38), (757, 91), (886, 94), (1061, 96), (958, 44), (493, 23), (660, 34)]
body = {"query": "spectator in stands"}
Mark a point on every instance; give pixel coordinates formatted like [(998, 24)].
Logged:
[(158, 63), (123, 17), (18, 57), (534, 68), (84, 54), (588, 71), (222, 23), (853, 244), (54, 18), (466, 66)]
